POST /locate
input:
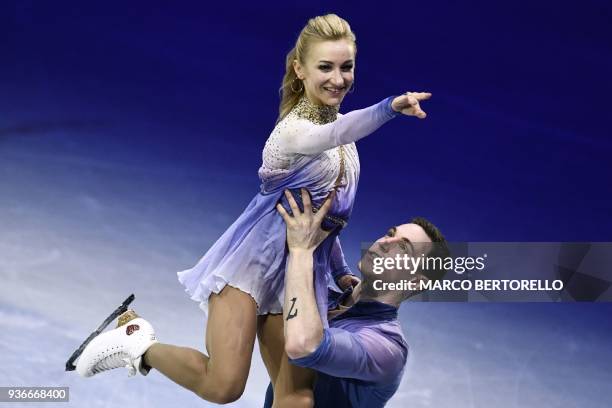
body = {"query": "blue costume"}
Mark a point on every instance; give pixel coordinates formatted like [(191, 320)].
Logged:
[(311, 147), (360, 360)]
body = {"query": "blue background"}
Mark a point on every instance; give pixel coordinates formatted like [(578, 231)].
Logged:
[(131, 135)]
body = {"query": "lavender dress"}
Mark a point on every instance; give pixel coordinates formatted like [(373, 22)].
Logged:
[(312, 147)]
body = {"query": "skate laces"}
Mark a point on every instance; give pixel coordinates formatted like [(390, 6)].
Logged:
[(117, 359), (123, 346)]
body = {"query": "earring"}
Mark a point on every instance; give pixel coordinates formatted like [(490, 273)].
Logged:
[(352, 88), (301, 88)]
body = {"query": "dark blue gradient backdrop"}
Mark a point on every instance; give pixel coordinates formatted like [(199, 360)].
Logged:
[(515, 147)]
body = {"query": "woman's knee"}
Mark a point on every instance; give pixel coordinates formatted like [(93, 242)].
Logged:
[(222, 392)]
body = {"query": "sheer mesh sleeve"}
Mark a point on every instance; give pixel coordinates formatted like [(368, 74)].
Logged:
[(304, 137)]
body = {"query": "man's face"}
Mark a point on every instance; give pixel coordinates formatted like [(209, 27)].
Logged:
[(405, 239)]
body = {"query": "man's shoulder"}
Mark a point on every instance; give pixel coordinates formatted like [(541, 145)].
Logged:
[(384, 332), (386, 328), (385, 347), (378, 335)]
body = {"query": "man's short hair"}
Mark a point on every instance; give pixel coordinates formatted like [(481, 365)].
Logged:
[(438, 250)]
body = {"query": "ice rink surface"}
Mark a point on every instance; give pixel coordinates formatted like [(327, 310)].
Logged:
[(79, 234)]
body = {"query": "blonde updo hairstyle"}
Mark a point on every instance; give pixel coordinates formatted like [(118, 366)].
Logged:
[(329, 27)]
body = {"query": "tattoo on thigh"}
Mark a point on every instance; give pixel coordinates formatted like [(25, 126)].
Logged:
[(292, 315)]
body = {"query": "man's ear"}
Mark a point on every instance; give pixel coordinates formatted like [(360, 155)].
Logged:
[(297, 68)]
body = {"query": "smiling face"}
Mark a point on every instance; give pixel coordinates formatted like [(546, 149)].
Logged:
[(328, 72)]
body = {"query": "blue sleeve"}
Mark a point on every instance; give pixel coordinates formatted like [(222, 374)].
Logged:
[(339, 266), (304, 137), (366, 355)]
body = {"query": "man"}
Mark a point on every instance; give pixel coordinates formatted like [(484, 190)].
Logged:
[(360, 359)]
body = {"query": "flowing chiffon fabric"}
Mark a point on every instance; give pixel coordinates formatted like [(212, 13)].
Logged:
[(251, 254)]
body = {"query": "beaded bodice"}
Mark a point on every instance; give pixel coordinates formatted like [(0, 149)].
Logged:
[(319, 114)]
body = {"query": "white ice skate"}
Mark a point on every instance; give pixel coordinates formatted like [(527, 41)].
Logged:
[(120, 347)]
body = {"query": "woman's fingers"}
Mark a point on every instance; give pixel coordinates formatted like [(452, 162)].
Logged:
[(412, 100), (419, 113), (421, 96), (414, 108), (347, 281)]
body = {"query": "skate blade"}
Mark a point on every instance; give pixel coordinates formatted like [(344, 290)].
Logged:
[(119, 311)]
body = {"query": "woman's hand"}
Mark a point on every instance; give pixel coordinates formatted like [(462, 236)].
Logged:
[(408, 104), (304, 228), (347, 281)]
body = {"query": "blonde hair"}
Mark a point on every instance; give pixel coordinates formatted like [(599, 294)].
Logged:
[(329, 27)]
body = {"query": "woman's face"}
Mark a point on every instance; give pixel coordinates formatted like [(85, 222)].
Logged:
[(328, 71)]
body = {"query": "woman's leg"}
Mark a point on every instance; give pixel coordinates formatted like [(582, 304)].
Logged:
[(292, 384), (230, 336)]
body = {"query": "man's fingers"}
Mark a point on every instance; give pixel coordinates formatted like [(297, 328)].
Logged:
[(306, 201), (294, 207), (283, 212), (325, 233), (326, 206)]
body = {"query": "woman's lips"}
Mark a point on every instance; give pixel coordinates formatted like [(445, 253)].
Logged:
[(334, 91)]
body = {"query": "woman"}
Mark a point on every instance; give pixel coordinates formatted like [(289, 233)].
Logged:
[(239, 281)]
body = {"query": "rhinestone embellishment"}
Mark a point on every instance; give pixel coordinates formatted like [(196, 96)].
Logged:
[(315, 113)]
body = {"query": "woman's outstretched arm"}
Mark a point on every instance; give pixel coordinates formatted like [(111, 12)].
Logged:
[(304, 137)]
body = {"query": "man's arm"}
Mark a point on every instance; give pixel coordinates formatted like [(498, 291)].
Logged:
[(303, 326), (368, 355)]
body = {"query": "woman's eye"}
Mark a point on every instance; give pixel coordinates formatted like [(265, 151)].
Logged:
[(346, 68), (390, 233)]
